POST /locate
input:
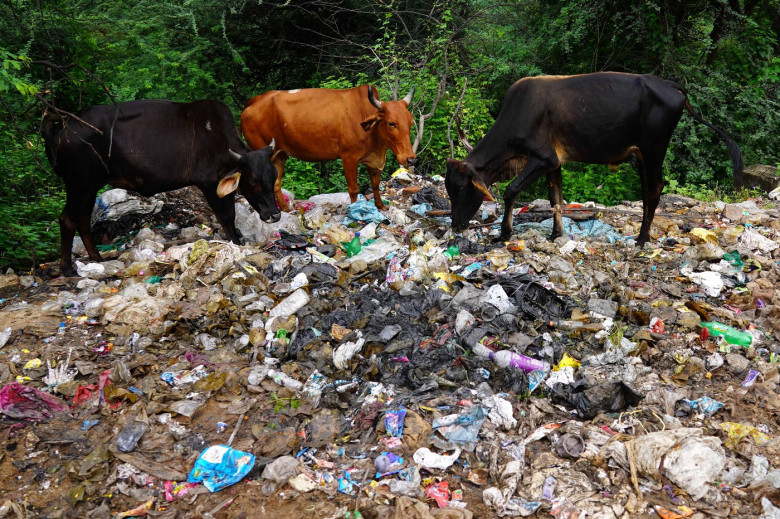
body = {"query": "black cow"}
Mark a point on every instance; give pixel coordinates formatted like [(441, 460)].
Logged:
[(153, 146), (546, 121)]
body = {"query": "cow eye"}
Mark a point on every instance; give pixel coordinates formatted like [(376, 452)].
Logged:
[(391, 125)]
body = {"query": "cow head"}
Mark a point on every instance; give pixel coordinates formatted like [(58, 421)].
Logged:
[(393, 124), (466, 191), (256, 176)]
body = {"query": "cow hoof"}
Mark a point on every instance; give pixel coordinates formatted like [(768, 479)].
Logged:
[(67, 271), (501, 238)]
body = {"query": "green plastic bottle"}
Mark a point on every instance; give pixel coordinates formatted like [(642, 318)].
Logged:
[(452, 251), (352, 247), (729, 334)]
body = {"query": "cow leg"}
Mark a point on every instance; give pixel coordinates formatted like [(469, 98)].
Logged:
[(350, 173), (651, 176), (76, 216), (376, 175), (530, 172), (225, 210), (280, 201), (555, 193), (67, 232)]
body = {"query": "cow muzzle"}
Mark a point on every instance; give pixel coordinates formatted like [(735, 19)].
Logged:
[(412, 162)]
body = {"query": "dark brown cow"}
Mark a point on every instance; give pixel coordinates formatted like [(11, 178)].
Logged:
[(151, 147), (320, 124), (546, 121)]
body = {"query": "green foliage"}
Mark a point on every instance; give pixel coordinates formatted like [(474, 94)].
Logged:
[(711, 193), (282, 403), (11, 71), (724, 54), (590, 182), (30, 203)]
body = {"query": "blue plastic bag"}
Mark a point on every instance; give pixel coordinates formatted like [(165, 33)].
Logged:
[(461, 428), (363, 211), (219, 466)]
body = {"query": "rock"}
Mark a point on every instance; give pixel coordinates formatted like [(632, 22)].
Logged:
[(762, 176), (737, 361)]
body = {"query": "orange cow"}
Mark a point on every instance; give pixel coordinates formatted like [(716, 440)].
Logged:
[(320, 124)]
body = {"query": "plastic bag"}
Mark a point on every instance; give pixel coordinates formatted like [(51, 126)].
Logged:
[(219, 466), (27, 403), (461, 428)]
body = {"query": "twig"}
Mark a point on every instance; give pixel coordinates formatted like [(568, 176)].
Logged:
[(594, 210), (632, 466), (63, 113), (454, 116), (235, 429)]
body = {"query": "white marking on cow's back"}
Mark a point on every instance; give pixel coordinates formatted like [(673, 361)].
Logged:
[(294, 91), (208, 125)]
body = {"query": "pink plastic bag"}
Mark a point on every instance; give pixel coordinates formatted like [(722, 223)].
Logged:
[(27, 403)]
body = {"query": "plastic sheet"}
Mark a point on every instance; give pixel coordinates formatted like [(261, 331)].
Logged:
[(461, 428), (587, 228), (20, 402), (363, 211)]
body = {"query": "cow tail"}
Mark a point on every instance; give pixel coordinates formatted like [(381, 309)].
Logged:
[(736, 155)]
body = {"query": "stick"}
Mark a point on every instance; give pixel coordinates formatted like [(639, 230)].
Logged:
[(632, 465)]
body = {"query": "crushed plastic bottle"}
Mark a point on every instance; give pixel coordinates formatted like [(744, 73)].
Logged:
[(452, 251), (730, 335), (353, 246), (506, 358), (285, 380), (290, 304), (130, 435)]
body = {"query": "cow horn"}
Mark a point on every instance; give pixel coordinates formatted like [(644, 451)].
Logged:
[(374, 100), (482, 188), (235, 155), (409, 96), (462, 136), (272, 144)]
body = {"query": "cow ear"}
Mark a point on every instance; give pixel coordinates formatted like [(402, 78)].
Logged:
[(228, 184), (372, 120), (279, 154), (459, 165)]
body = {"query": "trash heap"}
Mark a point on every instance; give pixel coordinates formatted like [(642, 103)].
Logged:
[(353, 363)]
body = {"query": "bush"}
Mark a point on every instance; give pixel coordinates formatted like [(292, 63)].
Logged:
[(31, 199)]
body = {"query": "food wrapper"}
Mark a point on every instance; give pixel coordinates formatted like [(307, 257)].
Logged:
[(568, 360), (219, 466), (737, 432)]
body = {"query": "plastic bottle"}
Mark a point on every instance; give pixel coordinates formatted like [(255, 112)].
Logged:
[(290, 304), (506, 358), (729, 334), (548, 490), (128, 438), (452, 251), (352, 247), (285, 380)]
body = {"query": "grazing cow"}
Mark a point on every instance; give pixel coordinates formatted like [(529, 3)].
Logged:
[(150, 147), (320, 124), (546, 121)]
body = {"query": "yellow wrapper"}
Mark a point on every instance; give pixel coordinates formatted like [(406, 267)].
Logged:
[(567, 360), (738, 431), (705, 235)]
